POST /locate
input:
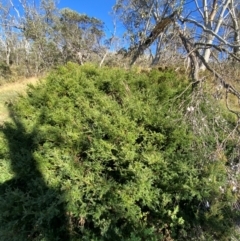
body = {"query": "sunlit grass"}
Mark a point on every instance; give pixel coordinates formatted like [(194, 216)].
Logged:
[(9, 92)]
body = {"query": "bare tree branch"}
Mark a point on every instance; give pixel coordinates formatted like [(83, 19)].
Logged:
[(207, 31), (159, 28), (219, 48)]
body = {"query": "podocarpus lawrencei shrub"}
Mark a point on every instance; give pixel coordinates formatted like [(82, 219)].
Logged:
[(105, 154)]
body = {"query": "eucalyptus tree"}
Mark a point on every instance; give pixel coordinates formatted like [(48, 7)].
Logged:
[(7, 36), (141, 19), (211, 20), (234, 11), (79, 35), (205, 23), (30, 33), (41, 35)]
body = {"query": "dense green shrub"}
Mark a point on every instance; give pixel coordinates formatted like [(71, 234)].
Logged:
[(105, 154)]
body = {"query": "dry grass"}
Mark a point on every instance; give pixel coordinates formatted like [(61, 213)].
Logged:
[(10, 91)]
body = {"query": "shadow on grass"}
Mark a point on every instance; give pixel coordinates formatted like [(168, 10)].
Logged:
[(29, 209)]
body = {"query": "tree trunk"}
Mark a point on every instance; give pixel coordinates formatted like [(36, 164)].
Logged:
[(236, 28), (8, 53), (157, 55), (207, 53)]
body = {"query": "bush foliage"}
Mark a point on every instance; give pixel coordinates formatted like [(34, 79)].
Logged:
[(106, 154)]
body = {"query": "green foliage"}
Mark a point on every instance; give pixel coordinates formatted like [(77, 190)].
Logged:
[(104, 154), (46, 37), (5, 72)]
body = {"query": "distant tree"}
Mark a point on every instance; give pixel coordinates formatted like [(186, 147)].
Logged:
[(204, 23), (79, 35), (140, 19), (37, 37), (210, 18)]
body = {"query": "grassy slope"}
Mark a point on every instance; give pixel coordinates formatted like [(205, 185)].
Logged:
[(9, 92)]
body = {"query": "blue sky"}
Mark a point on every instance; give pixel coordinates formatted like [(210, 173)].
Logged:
[(100, 9)]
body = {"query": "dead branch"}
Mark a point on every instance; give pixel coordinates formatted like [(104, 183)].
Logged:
[(191, 50), (219, 48), (207, 30), (194, 56), (224, 83), (159, 28)]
